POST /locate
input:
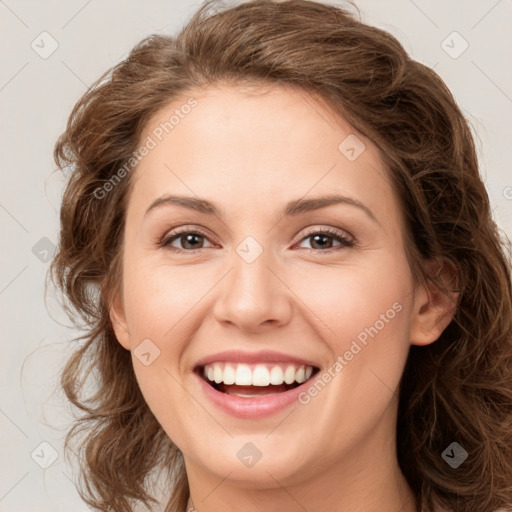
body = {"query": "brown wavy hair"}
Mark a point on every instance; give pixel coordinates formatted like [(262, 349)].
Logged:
[(456, 389)]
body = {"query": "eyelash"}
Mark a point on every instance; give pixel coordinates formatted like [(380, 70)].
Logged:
[(174, 235)]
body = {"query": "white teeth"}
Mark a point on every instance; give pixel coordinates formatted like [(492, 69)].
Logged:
[(229, 374), (243, 375), (260, 376), (257, 375), (289, 375), (276, 375), (218, 374), (299, 375)]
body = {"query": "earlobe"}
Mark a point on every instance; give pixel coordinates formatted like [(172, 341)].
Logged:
[(118, 320), (434, 308)]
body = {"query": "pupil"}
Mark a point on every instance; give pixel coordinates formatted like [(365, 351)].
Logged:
[(188, 238), (316, 238)]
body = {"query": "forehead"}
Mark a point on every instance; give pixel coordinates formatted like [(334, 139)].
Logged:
[(250, 146)]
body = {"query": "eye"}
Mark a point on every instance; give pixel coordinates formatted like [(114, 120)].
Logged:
[(323, 240), (190, 240)]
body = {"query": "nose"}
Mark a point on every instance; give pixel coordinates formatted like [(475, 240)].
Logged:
[(253, 296)]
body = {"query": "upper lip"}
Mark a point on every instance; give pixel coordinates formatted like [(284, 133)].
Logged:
[(266, 356)]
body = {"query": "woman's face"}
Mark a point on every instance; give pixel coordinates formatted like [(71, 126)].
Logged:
[(240, 281)]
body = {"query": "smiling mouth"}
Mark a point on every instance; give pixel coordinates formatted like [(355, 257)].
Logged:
[(253, 380)]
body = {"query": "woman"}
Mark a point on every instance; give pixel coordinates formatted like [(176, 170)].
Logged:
[(295, 294)]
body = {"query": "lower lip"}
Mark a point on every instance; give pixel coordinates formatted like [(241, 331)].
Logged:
[(251, 408)]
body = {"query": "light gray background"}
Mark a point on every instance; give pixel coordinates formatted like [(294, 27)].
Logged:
[(36, 96)]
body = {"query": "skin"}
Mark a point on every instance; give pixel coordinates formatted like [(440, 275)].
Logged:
[(250, 151)]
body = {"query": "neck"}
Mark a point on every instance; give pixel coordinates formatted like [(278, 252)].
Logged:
[(398, 496)]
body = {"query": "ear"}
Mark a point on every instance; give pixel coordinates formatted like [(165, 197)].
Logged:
[(433, 308), (118, 320)]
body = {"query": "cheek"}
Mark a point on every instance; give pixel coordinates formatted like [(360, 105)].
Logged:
[(344, 302), (363, 314), (159, 299), (363, 318), (167, 399), (158, 307)]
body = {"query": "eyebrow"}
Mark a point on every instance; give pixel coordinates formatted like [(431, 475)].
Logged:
[(292, 209)]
